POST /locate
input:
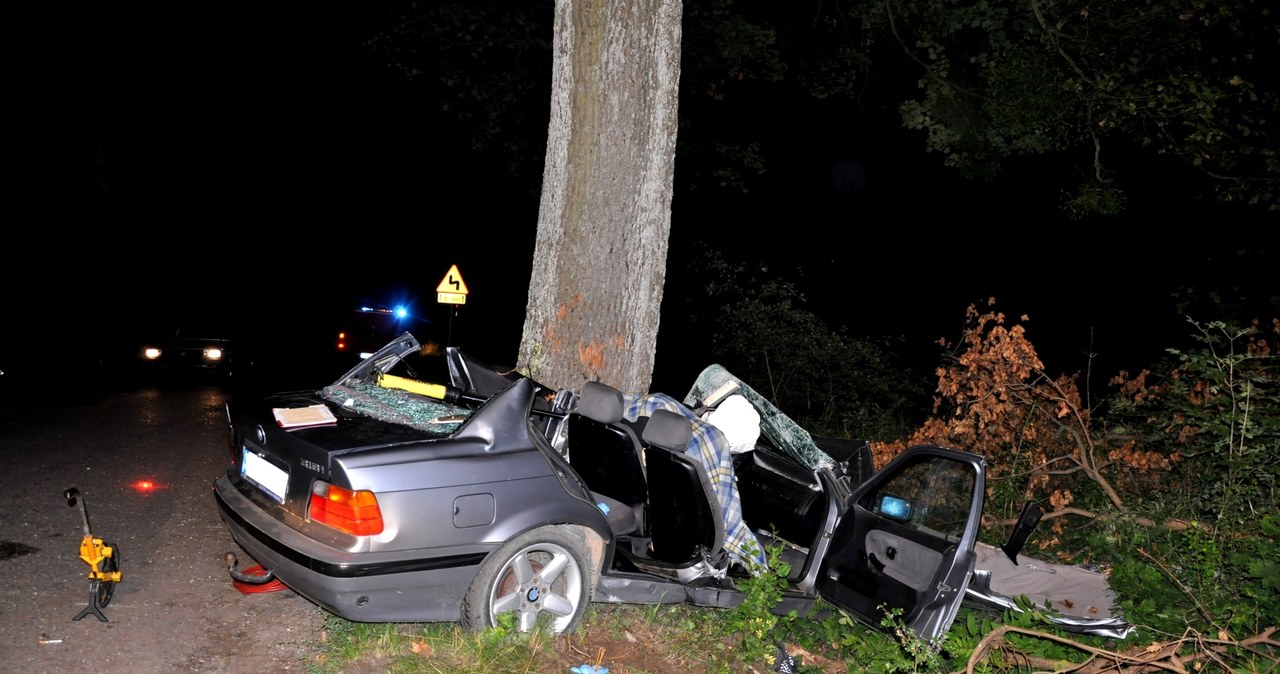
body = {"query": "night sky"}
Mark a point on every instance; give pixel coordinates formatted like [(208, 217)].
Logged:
[(261, 164)]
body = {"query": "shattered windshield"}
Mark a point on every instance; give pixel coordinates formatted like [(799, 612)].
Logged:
[(398, 406), (409, 392)]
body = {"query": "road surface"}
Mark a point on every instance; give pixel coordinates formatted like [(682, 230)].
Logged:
[(175, 608)]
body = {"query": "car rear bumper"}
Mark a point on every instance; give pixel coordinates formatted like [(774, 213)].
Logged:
[(388, 589)]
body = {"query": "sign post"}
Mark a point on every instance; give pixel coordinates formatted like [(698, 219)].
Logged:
[(453, 291)]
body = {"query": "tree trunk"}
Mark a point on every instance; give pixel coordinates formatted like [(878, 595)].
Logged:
[(599, 262)]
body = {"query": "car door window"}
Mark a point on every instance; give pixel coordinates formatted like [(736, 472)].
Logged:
[(906, 541), (931, 495)]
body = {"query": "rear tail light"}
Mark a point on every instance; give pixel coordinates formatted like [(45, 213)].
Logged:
[(352, 512)]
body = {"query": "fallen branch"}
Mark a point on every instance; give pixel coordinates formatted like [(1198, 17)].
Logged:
[(1113, 658), (1170, 524), (1218, 647), (1167, 656)]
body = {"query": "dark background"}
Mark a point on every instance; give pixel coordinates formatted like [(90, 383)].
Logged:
[(260, 164)]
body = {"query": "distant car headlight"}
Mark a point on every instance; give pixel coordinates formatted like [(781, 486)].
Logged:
[(151, 353), (213, 353)]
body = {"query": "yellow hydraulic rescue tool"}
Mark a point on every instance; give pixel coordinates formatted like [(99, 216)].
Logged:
[(103, 561)]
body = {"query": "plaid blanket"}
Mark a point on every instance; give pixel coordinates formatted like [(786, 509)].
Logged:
[(710, 447)]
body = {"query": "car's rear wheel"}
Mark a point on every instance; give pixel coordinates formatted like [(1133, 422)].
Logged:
[(540, 577)]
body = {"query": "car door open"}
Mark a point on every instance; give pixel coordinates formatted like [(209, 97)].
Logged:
[(906, 540)]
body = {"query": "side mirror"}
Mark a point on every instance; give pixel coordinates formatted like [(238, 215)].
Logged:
[(895, 508)]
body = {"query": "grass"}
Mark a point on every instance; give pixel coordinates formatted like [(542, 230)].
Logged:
[(627, 639)]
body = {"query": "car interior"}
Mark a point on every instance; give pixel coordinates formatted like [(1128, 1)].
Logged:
[(642, 464)]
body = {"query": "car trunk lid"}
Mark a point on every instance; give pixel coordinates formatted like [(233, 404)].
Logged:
[(283, 464)]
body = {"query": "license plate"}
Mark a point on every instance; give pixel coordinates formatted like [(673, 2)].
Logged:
[(271, 480)]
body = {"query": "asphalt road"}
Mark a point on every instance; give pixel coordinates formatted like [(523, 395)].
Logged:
[(175, 608)]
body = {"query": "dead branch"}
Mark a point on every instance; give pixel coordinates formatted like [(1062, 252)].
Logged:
[(1088, 448), (1112, 658), (1170, 524), (1167, 656)]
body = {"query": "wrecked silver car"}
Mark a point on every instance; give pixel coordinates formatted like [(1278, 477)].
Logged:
[(388, 497)]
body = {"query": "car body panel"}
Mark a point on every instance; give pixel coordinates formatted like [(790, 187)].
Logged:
[(408, 589)]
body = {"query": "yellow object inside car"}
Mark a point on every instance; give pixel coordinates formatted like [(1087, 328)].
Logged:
[(436, 391)]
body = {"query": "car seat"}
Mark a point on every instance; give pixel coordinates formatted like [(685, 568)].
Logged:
[(685, 521), (605, 449)]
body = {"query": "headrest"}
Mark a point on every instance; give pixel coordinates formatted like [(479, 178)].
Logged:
[(600, 402), (668, 430)]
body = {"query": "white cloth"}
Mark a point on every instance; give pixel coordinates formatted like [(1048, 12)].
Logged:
[(739, 421)]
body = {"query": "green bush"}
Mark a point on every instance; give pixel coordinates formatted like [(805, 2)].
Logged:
[(1216, 411)]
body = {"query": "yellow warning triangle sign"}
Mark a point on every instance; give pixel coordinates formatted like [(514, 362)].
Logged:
[(452, 282)]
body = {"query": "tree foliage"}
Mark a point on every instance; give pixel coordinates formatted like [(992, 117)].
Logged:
[(1125, 93), (1171, 486), (1187, 79), (828, 381), (1218, 406), (488, 64), (995, 398), (1175, 478)]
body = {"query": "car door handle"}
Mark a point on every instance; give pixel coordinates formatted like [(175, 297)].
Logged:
[(877, 566)]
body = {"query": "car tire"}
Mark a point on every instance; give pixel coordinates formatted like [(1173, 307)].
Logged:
[(539, 576)]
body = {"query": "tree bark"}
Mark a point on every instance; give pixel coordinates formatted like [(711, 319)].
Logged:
[(604, 220)]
